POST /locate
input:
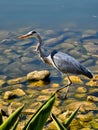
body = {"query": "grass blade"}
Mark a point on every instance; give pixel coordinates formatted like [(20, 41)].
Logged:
[(72, 116), (15, 125), (38, 120), (11, 119), (59, 125)]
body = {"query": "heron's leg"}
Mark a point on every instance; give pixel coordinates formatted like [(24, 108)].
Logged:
[(67, 90), (68, 85)]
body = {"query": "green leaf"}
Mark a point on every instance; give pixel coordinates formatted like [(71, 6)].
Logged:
[(11, 119), (15, 125), (38, 120), (72, 116), (1, 121), (59, 125)]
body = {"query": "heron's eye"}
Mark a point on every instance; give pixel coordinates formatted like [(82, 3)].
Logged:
[(33, 32)]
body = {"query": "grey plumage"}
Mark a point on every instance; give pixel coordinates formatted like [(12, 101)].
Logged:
[(67, 64)]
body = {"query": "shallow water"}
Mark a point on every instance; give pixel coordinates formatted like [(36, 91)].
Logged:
[(63, 25)]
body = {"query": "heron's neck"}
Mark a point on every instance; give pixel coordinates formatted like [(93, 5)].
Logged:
[(38, 48)]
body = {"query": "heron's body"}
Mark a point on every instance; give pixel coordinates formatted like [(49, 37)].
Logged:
[(59, 60), (66, 64)]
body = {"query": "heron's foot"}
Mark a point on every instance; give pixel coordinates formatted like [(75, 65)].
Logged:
[(61, 96)]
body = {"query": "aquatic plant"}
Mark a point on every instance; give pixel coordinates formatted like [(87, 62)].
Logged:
[(38, 120)]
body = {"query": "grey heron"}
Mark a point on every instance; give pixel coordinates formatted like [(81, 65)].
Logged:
[(59, 60)]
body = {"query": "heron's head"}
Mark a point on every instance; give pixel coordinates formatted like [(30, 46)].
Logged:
[(30, 34)]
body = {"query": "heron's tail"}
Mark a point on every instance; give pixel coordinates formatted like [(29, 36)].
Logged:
[(87, 72)]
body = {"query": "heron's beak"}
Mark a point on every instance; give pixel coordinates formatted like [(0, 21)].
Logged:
[(24, 36)]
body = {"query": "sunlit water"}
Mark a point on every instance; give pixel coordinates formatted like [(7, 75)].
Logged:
[(63, 25)]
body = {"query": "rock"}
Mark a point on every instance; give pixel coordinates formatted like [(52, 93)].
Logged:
[(81, 90), (64, 116), (91, 47), (13, 106), (3, 77), (75, 125), (95, 78), (86, 117), (14, 94), (55, 85), (39, 83), (74, 79), (26, 60), (38, 75), (2, 82), (92, 83), (86, 128), (56, 110), (85, 106), (9, 95), (16, 80), (94, 124), (19, 92), (55, 39), (48, 91), (92, 98), (80, 95), (43, 98)]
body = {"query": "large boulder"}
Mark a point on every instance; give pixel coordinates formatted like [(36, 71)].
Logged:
[(38, 75)]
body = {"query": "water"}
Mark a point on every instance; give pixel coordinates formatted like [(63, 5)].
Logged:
[(66, 25), (48, 14)]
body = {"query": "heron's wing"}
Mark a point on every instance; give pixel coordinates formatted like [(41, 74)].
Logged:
[(66, 63)]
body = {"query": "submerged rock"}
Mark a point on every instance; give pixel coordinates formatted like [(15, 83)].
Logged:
[(2, 82), (38, 75), (14, 94), (92, 98), (86, 117), (81, 89), (85, 106), (16, 80), (74, 79), (9, 95), (19, 92)]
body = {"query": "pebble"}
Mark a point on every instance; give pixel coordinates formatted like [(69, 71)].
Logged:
[(16, 80), (13, 106), (91, 47), (19, 92), (43, 98), (14, 94), (9, 95), (38, 75), (92, 98), (55, 39), (86, 117), (2, 82), (26, 60), (74, 79), (80, 95), (92, 83), (48, 91), (55, 85), (39, 83), (85, 106), (81, 90)]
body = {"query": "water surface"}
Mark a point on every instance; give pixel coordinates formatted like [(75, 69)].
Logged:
[(48, 14)]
